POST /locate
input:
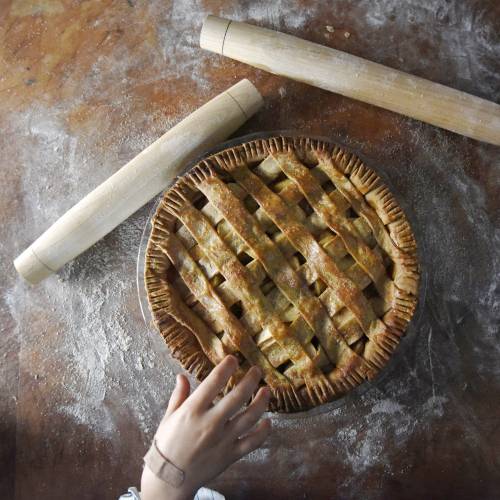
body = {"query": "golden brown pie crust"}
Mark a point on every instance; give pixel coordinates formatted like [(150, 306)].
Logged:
[(290, 253)]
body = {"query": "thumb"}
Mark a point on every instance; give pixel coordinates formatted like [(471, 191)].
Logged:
[(180, 394)]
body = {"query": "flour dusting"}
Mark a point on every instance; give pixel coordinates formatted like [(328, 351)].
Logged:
[(95, 333), (82, 336)]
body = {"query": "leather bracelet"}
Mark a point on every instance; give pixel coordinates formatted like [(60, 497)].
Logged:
[(162, 467)]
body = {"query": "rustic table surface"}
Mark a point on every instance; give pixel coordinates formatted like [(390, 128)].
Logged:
[(84, 86)]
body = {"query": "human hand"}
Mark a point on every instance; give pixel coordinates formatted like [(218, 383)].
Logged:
[(202, 438)]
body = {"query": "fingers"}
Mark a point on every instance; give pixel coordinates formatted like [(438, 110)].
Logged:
[(243, 391), (215, 382), (253, 440), (243, 422), (180, 394)]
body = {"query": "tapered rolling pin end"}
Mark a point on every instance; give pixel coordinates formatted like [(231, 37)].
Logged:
[(246, 96), (213, 33), (31, 268)]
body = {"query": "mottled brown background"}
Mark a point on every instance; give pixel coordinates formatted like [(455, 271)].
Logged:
[(84, 86)]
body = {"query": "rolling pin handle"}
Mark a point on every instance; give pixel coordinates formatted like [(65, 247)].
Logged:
[(31, 268), (213, 34)]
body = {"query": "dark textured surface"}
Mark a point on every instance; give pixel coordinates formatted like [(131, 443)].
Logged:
[(86, 86)]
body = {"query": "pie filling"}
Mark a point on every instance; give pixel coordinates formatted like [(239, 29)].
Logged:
[(292, 255)]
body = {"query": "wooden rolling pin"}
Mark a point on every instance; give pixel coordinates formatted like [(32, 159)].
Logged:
[(354, 77), (137, 182)]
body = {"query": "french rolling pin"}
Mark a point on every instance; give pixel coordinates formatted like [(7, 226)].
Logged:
[(137, 182), (353, 76)]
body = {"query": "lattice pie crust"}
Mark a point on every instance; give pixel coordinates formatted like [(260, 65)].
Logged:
[(291, 254)]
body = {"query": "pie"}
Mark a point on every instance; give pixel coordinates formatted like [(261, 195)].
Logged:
[(291, 254)]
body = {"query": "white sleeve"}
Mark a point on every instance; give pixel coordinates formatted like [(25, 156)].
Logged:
[(132, 494), (207, 494), (201, 494)]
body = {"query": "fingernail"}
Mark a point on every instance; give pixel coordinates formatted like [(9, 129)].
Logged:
[(266, 395), (232, 358)]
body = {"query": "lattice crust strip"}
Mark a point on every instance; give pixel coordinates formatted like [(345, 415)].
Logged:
[(291, 254)]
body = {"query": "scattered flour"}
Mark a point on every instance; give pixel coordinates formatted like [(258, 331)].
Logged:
[(98, 342), (279, 14), (111, 368)]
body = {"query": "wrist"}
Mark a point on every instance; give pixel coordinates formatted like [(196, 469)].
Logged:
[(154, 488)]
